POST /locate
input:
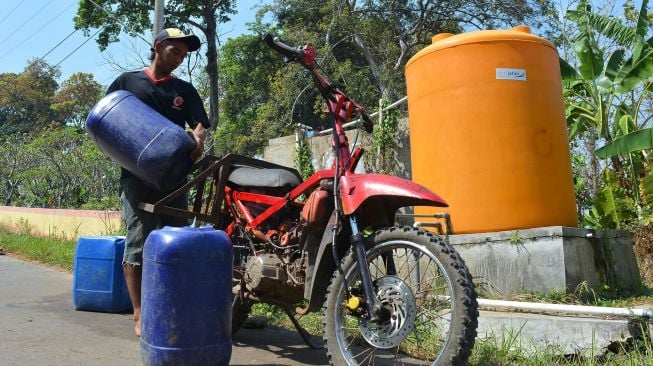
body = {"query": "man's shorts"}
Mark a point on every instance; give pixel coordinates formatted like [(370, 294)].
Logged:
[(139, 223)]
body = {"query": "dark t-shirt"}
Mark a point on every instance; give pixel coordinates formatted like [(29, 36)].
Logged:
[(175, 99)]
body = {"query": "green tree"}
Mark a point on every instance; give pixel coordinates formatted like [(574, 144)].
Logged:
[(75, 99), (58, 168), (25, 98), (14, 164), (64, 169), (302, 155), (133, 17), (384, 141), (248, 68)]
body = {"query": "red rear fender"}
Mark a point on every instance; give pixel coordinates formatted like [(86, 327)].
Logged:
[(395, 192)]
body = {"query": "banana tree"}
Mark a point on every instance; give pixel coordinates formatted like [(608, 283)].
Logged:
[(604, 92)]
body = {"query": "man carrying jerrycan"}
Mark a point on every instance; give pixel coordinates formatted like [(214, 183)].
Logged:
[(178, 101)]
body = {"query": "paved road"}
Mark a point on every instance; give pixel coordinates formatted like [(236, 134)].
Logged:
[(39, 326)]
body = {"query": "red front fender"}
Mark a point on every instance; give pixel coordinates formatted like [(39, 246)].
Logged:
[(395, 192)]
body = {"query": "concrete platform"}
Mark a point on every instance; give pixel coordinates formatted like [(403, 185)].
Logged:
[(547, 259)]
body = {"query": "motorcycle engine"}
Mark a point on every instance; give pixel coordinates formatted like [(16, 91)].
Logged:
[(266, 276)]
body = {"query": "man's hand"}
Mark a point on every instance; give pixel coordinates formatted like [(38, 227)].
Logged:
[(199, 135)]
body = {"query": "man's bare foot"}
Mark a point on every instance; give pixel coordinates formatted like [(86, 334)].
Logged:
[(133, 275), (137, 327)]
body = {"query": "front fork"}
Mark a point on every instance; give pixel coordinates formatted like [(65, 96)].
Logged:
[(375, 311)]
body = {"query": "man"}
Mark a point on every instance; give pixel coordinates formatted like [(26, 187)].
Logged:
[(178, 101)]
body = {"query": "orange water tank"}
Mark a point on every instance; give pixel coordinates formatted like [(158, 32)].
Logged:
[(488, 132)]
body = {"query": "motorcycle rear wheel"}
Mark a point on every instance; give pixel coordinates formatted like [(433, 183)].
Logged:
[(426, 286)]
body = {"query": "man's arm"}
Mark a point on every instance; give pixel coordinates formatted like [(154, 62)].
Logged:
[(199, 135), (196, 116)]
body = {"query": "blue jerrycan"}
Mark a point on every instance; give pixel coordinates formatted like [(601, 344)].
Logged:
[(98, 279), (186, 297), (141, 140)]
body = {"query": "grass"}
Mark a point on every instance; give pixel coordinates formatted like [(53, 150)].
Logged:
[(496, 353), (311, 322), (51, 250), (58, 252), (604, 295)]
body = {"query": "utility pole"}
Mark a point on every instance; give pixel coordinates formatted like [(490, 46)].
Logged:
[(159, 5)]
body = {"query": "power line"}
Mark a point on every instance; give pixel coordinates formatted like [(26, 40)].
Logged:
[(38, 30), (57, 45), (88, 39), (80, 46), (11, 12), (25, 22)]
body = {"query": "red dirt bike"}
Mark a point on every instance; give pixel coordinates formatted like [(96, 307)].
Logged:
[(392, 295)]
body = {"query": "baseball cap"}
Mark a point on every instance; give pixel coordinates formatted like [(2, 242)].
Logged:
[(191, 40)]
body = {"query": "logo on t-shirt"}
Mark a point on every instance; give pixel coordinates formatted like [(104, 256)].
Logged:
[(177, 102)]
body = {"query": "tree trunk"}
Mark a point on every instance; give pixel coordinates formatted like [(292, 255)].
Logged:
[(9, 192), (374, 66), (593, 166), (212, 62)]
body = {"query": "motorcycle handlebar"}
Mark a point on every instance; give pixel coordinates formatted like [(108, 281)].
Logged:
[(368, 125), (292, 53)]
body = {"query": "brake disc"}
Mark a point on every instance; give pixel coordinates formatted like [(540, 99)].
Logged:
[(395, 295)]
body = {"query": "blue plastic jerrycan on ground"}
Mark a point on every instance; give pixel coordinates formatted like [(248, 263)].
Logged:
[(141, 140), (98, 279), (186, 297)]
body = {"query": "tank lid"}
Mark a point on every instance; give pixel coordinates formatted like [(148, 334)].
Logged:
[(522, 28), (446, 40), (440, 36)]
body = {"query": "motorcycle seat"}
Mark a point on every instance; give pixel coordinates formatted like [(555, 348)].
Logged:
[(246, 176)]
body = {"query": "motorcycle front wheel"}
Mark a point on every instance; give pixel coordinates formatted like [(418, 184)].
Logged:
[(429, 293)]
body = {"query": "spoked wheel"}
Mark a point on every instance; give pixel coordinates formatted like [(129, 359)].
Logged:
[(427, 291)]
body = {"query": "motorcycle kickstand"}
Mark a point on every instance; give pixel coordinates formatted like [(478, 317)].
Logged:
[(306, 336)]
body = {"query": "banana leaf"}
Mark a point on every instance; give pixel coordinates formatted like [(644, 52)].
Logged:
[(636, 70), (566, 70), (614, 206), (612, 28), (624, 123), (634, 141), (589, 54), (643, 21), (612, 67), (592, 219)]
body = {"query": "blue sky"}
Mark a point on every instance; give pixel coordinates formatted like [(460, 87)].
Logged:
[(32, 28)]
